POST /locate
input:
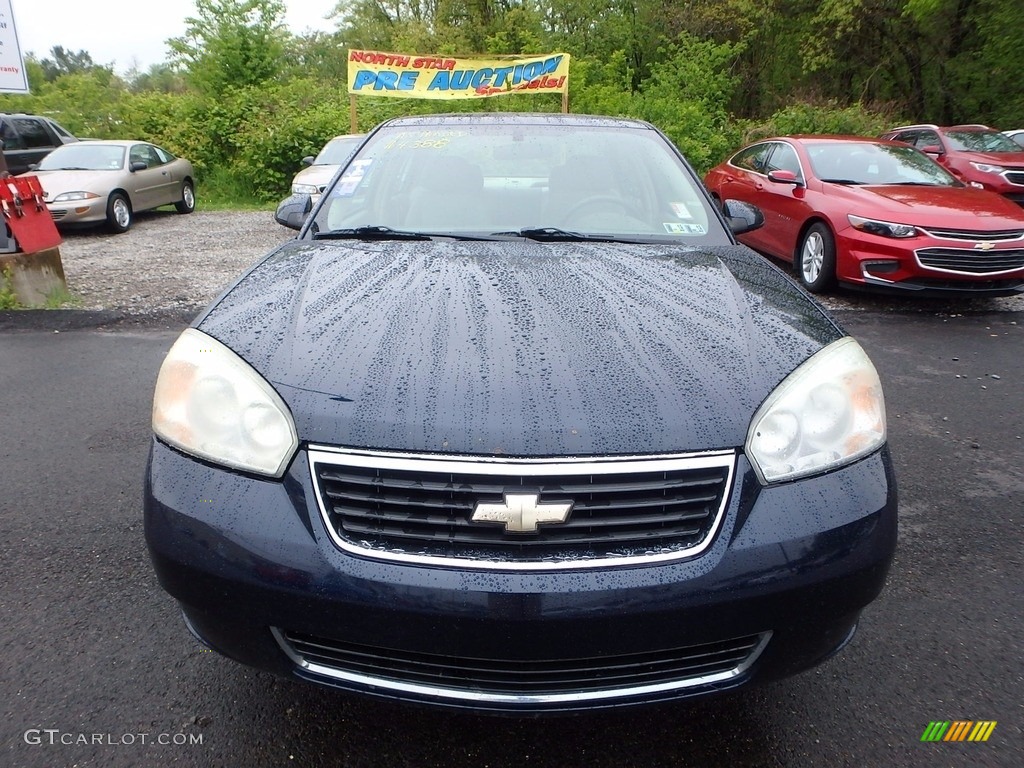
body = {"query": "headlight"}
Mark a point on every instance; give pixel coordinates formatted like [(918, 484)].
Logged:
[(212, 404), (827, 413), (883, 228), (305, 189), (986, 168), (67, 197)]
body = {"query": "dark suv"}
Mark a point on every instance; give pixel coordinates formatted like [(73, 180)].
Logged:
[(27, 139), (976, 154)]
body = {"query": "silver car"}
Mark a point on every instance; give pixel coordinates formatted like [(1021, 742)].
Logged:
[(321, 170), (97, 182)]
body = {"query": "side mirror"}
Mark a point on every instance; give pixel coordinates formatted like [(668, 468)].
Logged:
[(783, 177), (932, 149), (293, 211), (308, 160), (742, 217), (137, 165)]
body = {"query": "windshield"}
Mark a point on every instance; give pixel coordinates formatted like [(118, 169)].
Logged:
[(337, 150), (982, 141), (82, 156), (866, 163), (554, 180)]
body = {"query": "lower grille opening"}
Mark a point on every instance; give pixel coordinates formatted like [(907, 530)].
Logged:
[(515, 680)]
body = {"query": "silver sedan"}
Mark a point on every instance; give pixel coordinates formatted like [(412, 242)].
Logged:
[(97, 182)]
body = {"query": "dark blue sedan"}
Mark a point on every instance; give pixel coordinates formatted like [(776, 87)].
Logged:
[(515, 425)]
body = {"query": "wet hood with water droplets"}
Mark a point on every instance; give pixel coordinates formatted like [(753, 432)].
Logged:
[(519, 348)]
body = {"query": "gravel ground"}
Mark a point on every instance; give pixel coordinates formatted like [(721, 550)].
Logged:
[(166, 261), (169, 263)]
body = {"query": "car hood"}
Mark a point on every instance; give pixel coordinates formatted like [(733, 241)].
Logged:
[(57, 182), (1007, 159), (951, 207), (523, 349), (316, 174)]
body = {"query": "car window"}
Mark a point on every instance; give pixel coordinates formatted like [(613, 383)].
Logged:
[(752, 158), (337, 150), (908, 137), (504, 178), (32, 132), (784, 158), (927, 139), (84, 156), (857, 163), (162, 154), (981, 141), (60, 131), (144, 153), (10, 136)]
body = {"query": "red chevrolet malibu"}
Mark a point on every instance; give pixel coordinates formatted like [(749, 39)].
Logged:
[(874, 214)]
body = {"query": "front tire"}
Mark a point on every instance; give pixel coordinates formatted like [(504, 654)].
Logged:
[(816, 259), (187, 204), (119, 213)]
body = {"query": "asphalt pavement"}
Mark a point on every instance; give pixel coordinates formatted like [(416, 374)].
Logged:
[(99, 670)]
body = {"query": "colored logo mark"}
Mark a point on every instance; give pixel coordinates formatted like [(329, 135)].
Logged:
[(958, 730)]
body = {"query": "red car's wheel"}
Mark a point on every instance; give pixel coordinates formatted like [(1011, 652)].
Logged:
[(816, 259)]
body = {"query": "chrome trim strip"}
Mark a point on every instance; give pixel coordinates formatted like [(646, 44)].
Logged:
[(492, 465), (457, 694), (969, 237), (1006, 175)]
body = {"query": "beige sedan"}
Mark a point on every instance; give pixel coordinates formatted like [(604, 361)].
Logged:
[(312, 180), (107, 182)]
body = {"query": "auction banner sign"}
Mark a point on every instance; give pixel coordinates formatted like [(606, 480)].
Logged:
[(12, 64), (373, 73)]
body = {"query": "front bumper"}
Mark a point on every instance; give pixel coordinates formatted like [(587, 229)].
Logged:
[(892, 265), (252, 563), (79, 212)]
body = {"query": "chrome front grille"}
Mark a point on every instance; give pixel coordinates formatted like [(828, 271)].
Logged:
[(519, 681), (973, 236), (973, 262), (419, 508)]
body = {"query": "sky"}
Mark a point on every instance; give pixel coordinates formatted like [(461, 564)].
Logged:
[(129, 33)]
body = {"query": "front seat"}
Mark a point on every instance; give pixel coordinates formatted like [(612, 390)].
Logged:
[(448, 195)]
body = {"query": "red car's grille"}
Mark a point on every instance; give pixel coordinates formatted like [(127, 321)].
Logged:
[(1015, 177), (969, 235), (972, 261)]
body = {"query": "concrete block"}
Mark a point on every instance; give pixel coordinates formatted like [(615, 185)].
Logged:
[(34, 276)]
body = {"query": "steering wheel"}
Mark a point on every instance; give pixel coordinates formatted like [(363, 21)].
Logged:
[(596, 200)]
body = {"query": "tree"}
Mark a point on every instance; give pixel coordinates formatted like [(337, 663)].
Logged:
[(65, 62), (231, 43)]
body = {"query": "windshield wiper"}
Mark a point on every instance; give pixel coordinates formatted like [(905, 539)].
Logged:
[(386, 233), (843, 181), (369, 233), (554, 234)]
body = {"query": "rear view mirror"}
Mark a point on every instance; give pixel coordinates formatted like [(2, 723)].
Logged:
[(932, 149), (293, 210), (742, 217), (783, 177)]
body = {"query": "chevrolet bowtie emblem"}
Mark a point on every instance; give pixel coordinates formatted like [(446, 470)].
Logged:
[(522, 512), (984, 246)]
